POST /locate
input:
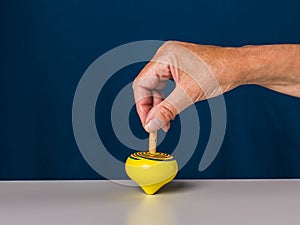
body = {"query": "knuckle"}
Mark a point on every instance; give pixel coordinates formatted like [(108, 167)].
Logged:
[(170, 43), (167, 53), (134, 83), (169, 46), (167, 112)]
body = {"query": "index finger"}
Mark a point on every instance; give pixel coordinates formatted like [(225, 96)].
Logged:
[(147, 87)]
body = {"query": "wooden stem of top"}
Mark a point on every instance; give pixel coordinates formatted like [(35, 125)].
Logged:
[(152, 141)]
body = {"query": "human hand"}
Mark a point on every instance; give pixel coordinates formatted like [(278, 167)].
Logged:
[(202, 72), (199, 72)]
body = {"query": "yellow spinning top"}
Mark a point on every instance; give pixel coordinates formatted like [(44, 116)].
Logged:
[(151, 170)]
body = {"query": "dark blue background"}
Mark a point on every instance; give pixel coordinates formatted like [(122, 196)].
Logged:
[(46, 45)]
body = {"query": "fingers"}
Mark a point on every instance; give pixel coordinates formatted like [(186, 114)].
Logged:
[(144, 102), (161, 115), (158, 97), (166, 127), (154, 112), (148, 87)]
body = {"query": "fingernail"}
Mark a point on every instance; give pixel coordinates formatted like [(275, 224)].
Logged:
[(154, 125), (165, 129)]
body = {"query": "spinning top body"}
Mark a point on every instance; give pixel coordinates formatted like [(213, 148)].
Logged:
[(151, 170)]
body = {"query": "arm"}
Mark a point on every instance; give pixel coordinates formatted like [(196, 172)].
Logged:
[(202, 72), (276, 67)]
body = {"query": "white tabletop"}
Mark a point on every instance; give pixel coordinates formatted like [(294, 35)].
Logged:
[(222, 202)]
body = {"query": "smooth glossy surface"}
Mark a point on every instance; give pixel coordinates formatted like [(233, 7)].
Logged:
[(151, 171), (223, 202)]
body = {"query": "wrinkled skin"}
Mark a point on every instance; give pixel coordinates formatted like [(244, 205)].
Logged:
[(202, 72)]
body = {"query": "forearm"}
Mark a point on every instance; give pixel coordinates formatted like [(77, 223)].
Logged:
[(273, 66), (202, 71)]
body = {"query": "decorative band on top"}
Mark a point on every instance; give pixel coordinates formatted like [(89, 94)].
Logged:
[(157, 156)]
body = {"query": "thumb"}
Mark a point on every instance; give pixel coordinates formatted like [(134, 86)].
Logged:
[(161, 114)]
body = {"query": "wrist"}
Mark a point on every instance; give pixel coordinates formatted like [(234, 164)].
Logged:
[(230, 67), (269, 65)]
